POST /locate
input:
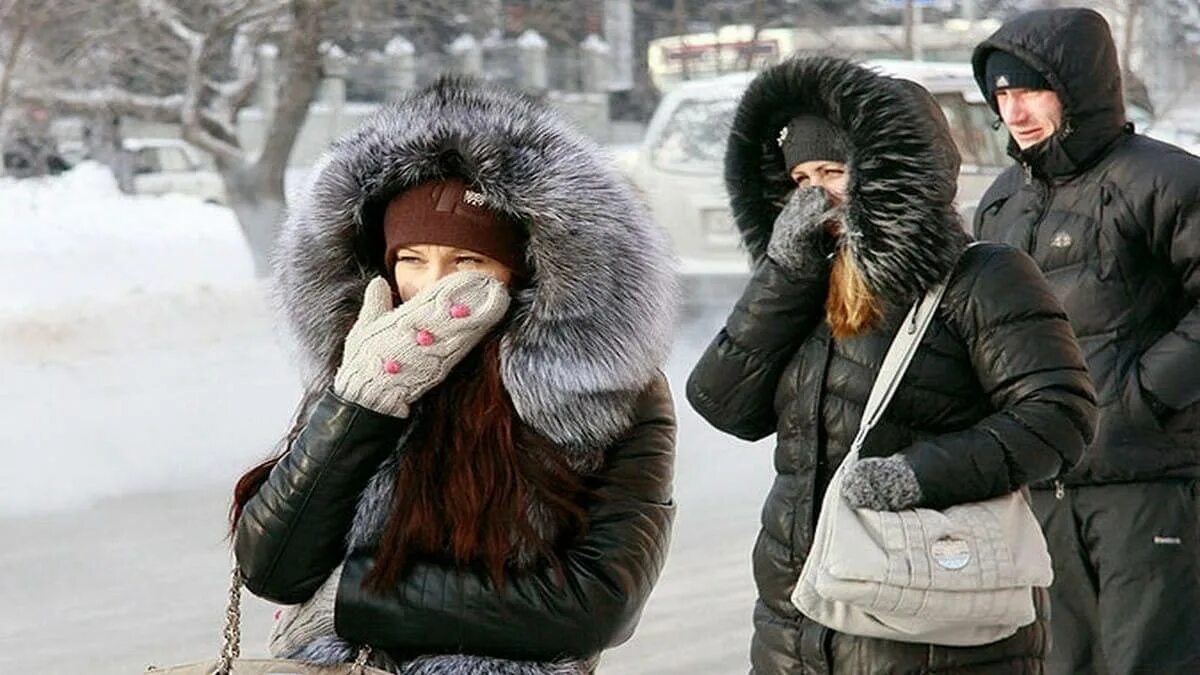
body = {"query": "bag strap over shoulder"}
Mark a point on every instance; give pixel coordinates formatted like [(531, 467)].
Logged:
[(899, 356), (895, 363)]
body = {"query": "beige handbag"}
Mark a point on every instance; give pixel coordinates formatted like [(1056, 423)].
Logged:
[(959, 577), (230, 664)]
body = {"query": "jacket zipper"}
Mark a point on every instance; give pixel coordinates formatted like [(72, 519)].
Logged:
[(1045, 196), (1060, 490), (822, 468)]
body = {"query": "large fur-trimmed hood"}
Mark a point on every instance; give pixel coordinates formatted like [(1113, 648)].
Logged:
[(903, 230), (589, 333)]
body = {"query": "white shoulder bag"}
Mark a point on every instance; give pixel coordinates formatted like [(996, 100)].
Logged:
[(959, 577)]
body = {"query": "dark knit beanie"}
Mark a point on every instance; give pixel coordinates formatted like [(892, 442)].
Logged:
[(446, 213), (810, 138), (1005, 71)]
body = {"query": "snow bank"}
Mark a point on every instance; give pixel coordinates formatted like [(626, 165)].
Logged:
[(136, 347), (76, 239)]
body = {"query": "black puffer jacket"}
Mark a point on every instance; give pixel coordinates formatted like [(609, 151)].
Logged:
[(1113, 220), (581, 354), (996, 397)]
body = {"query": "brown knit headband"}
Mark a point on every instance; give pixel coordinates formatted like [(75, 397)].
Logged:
[(446, 213)]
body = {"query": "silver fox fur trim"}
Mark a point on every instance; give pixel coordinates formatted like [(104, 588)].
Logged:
[(584, 339)]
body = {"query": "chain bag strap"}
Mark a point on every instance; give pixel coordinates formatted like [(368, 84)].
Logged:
[(229, 663)]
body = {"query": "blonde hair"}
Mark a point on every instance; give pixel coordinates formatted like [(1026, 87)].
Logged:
[(850, 307)]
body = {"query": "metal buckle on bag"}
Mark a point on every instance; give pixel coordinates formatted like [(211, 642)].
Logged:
[(950, 553)]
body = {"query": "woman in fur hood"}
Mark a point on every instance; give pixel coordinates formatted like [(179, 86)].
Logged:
[(479, 478), (842, 184)]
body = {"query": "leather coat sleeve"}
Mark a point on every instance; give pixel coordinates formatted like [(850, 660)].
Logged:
[(733, 385), (609, 571), (1168, 368), (1029, 364), (292, 533)]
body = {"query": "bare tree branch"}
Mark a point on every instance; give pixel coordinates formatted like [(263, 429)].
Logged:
[(16, 42), (108, 99), (168, 17), (252, 12), (236, 93)]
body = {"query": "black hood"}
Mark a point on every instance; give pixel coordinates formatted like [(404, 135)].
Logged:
[(902, 228), (1073, 49)]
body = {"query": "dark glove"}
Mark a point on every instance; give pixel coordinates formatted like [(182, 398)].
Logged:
[(800, 238), (882, 484)]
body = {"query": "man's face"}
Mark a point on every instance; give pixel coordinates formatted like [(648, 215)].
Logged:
[(1031, 115)]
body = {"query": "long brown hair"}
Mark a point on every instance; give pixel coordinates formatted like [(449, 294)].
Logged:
[(850, 306), (469, 474)]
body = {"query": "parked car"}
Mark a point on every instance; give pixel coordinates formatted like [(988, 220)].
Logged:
[(167, 165), (678, 165)]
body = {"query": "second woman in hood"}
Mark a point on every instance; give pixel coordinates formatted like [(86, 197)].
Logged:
[(842, 184)]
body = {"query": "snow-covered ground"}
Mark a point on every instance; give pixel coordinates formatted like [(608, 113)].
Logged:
[(75, 239), (119, 319), (140, 373)]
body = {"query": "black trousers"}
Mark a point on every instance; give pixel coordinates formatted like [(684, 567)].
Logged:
[(1126, 592)]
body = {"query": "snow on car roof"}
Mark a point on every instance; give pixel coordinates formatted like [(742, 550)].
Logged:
[(936, 76)]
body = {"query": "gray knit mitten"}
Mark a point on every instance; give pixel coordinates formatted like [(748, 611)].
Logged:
[(800, 238), (393, 356), (882, 484)]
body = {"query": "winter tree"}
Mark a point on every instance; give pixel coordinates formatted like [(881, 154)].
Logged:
[(193, 64)]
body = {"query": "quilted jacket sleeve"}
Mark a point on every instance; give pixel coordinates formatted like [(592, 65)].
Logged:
[(733, 384), (1029, 364), (609, 571), (1168, 367), (292, 533)]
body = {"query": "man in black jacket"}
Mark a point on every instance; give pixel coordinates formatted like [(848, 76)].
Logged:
[(1113, 220)]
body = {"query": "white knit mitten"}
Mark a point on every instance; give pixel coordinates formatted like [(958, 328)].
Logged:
[(298, 627), (393, 356)]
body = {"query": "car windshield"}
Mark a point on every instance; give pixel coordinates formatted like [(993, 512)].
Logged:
[(693, 139)]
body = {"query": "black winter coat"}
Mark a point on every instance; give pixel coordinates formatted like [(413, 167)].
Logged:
[(1113, 220), (996, 397), (293, 533), (580, 359)]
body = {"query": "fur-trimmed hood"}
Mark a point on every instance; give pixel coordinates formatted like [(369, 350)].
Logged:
[(902, 227), (594, 325)]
